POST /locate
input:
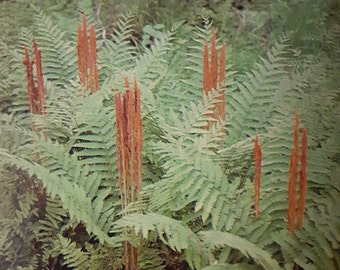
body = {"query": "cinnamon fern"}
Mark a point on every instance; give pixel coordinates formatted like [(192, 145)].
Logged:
[(195, 205)]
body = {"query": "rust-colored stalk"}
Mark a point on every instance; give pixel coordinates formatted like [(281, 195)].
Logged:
[(257, 177), (303, 179), (297, 211), (213, 62), (87, 56), (36, 92), (93, 71), (292, 190), (129, 143), (293, 176), (214, 78), (30, 81), (36, 97), (40, 80)]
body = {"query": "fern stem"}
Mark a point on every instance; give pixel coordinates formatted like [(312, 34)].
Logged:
[(292, 177), (303, 179)]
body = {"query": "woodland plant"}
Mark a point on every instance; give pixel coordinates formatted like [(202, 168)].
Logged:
[(188, 167)]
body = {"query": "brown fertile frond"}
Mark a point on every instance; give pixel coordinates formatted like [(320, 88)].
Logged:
[(129, 140), (32, 94), (292, 190), (87, 56), (129, 143), (92, 58), (40, 80), (303, 179), (294, 158), (213, 62), (36, 92), (214, 78)]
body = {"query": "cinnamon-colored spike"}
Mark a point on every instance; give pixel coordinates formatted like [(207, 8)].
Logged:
[(93, 76), (292, 190), (303, 179), (294, 157), (87, 56), (129, 139), (40, 80), (119, 138), (214, 78), (30, 82)]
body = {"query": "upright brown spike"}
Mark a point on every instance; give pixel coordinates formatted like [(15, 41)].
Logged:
[(138, 137), (32, 95), (294, 157), (292, 191), (85, 41), (83, 52), (129, 159), (40, 80), (92, 58), (303, 179), (119, 138)]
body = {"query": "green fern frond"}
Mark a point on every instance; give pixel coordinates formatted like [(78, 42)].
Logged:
[(152, 67), (58, 55), (62, 105), (170, 232), (217, 239), (73, 256), (239, 266), (252, 107), (94, 139), (73, 195), (118, 54)]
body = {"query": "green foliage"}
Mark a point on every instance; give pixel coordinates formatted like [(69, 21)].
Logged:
[(197, 198)]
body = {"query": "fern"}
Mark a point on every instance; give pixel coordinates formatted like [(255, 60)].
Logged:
[(58, 54), (217, 238), (76, 197), (169, 231), (118, 54), (191, 173), (73, 257)]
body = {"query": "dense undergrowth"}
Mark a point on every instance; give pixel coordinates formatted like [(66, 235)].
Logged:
[(62, 203)]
